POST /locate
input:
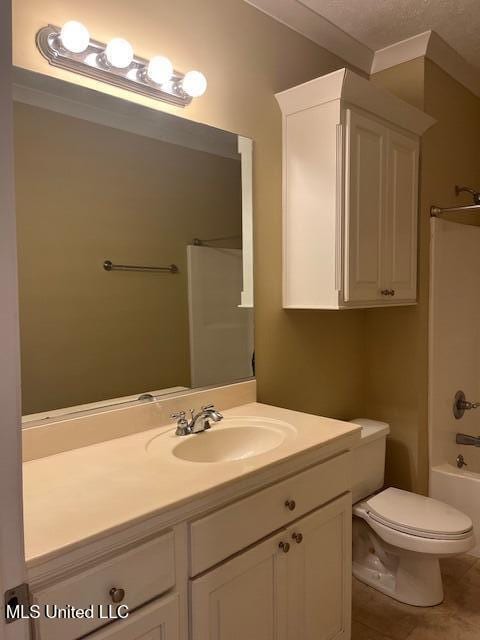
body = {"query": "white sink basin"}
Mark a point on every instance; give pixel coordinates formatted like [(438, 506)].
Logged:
[(232, 439)]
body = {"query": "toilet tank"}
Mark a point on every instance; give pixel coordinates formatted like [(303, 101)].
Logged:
[(369, 458)]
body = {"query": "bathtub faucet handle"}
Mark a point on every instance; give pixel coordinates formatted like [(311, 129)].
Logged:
[(461, 404)]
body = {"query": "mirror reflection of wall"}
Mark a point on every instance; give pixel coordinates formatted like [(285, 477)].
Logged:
[(86, 193)]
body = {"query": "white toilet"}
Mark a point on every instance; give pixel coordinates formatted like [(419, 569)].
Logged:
[(399, 536)]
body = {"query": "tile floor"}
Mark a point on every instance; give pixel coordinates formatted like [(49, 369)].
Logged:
[(377, 617)]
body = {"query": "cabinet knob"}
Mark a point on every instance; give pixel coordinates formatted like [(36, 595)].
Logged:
[(117, 595), (392, 292), (298, 537), (284, 546), (290, 504)]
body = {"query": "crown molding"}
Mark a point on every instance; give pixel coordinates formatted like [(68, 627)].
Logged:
[(448, 59), (299, 17), (429, 45), (403, 51), (350, 88)]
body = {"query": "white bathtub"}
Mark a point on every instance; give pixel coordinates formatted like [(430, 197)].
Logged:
[(461, 489)]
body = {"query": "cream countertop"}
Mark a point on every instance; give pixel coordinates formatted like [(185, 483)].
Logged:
[(75, 496)]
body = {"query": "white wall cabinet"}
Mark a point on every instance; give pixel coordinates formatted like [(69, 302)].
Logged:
[(296, 584), (350, 194)]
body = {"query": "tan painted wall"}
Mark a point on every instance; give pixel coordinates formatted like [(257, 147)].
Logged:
[(311, 361), (397, 340), (86, 193)]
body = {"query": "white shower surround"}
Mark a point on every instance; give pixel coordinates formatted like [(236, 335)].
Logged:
[(454, 364)]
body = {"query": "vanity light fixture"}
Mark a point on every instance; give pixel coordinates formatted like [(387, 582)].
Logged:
[(71, 47)]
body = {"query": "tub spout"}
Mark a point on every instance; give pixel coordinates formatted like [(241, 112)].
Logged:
[(463, 438)]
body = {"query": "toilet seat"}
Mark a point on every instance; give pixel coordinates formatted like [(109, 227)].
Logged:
[(418, 515), (415, 523)]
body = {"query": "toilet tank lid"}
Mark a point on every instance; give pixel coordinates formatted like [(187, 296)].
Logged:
[(371, 429)]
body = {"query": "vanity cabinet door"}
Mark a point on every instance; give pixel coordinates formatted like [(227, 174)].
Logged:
[(319, 574), (245, 598), (157, 621)]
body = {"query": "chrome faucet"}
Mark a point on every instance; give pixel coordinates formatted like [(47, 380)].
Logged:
[(198, 422)]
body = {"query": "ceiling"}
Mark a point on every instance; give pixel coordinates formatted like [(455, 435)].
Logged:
[(380, 23)]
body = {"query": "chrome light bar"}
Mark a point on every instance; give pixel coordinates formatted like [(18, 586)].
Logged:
[(93, 63)]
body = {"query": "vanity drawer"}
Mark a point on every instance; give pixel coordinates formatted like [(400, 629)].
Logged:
[(232, 528), (143, 572)]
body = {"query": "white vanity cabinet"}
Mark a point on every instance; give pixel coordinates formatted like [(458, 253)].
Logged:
[(156, 621), (132, 577), (272, 563), (296, 584), (350, 194), (243, 598)]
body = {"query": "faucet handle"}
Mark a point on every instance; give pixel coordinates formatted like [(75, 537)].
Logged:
[(178, 415), (207, 407)]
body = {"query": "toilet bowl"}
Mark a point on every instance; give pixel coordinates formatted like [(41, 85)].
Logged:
[(399, 536)]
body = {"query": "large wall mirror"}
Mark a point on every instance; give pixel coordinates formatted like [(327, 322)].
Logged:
[(134, 249)]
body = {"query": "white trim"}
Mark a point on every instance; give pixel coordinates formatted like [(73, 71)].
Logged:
[(299, 17), (448, 59), (245, 149), (12, 555), (403, 51), (296, 15), (353, 89), (429, 45)]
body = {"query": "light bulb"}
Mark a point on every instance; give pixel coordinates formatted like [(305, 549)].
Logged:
[(119, 53), (194, 84), (160, 69), (74, 36)]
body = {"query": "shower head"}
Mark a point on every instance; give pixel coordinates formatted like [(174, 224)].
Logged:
[(475, 194)]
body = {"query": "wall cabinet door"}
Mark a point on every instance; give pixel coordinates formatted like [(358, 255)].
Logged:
[(365, 195), (156, 621), (319, 574), (244, 598), (400, 244)]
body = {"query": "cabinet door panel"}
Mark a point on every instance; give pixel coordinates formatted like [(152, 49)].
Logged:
[(319, 574), (364, 205), (244, 598), (157, 621), (400, 248)]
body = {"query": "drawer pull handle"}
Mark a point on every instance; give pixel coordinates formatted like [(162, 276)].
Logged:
[(290, 504), (117, 595), (284, 546), (298, 537)]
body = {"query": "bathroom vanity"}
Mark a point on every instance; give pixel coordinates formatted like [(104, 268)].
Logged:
[(239, 533), (254, 542)]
